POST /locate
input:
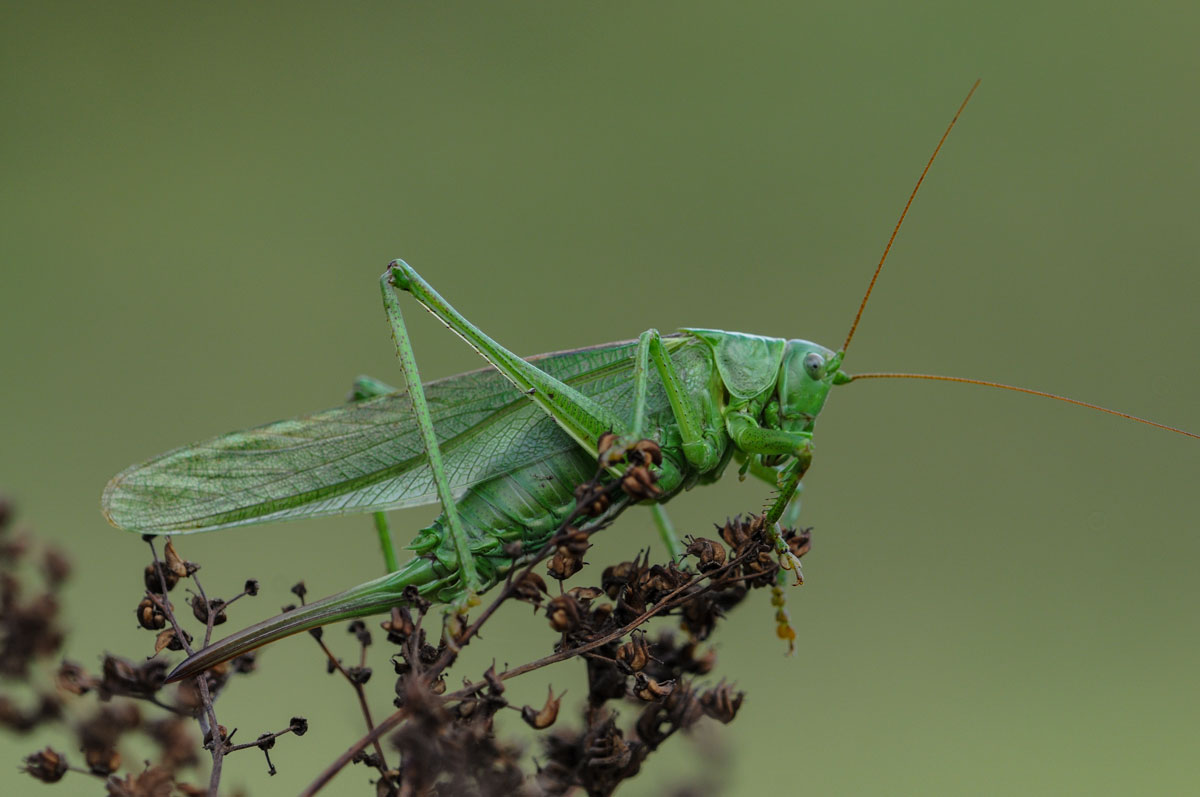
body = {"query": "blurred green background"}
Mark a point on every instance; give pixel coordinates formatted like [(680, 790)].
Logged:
[(197, 201)]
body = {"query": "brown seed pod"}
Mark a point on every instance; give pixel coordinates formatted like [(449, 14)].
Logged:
[(539, 720), (617, 577), (530, 588), (48, 766), (399, 626), (649, 689), (574, 541), (201, 608), (721, 702), (563, 565), (176, 563), (102, 760), (799, 541), (605, 443), (648, 452), (634, 654), (591, 499), (639, 483), (709, 554), (150, 616), (565, 613), (150, 576)]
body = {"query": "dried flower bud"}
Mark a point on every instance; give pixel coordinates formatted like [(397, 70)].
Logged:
[(151, 577), (201, 609), (648, 452), (634, 654), (721, 702), (299, 590), (530, 587), (176, 563), (168, 639), (298, 725), (591, 499), (639, 483), (251, 587), (102, 760), (709, 554), (617, 577), (799, 541), (495, 685), (222, 732), (399, 626), (563, 565), (585, 595), (74, 679), (412, 596), (150, 616), (564, 612), (604, 445), (574, 541), (649, 689), (48, 766), (540, 720)]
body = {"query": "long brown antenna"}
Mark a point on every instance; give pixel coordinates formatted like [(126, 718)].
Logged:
[(1042, 393), (904, 213)]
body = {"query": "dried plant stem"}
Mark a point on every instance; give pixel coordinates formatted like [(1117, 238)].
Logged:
[(216, 745), (669, 601)]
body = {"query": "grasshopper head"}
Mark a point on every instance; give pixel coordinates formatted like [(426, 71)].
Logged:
[(807, 372)]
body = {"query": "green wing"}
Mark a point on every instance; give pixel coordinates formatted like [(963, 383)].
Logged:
[(362, 457)]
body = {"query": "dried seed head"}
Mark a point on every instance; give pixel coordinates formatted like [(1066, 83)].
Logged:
[(639, 483), (412, 596), (74, 679), (222, 732), (647, 452), (150, 616), (648, 689), (102, 761), (722, 702), (565, 613), (176, 563), (298, 725), (299, 590), (604, 445), (150, 576), (634, 654), (530, 587), (710, 555), (48, 766), (591, 499), (399, 626), (168, 639), (799, 541), (540, 720), (201, 609), (574, 541), (563, 565), (251, 587), (617, 577), (585, 595)]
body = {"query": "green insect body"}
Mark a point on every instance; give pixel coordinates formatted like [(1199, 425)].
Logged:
[(512, 467)]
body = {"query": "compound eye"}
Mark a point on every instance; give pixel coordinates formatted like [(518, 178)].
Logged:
[(814, 364)]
